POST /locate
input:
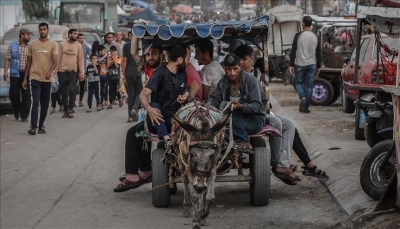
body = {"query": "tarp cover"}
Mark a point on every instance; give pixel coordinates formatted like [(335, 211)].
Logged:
[(381, 17), (285, 13), (210, 29), (147, 15)]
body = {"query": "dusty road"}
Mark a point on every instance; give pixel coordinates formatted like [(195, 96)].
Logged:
[(64, 179)]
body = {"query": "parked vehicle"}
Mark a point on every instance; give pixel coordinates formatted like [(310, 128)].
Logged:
[(4, 85), (56, 33), (378, 166), (285, 18), (374, 110), (337, 36), (98, 15)]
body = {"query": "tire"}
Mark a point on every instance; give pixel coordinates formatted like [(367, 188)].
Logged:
[(260, 170), (358, 132), (322, 92), (347, 104), (374, 180), (336, 92), (161, 195), (371, 133)]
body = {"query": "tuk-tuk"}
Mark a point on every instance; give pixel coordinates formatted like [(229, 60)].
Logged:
[(287, 19), (337, 37)]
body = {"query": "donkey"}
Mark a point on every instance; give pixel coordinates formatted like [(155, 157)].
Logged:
[(197, 143)]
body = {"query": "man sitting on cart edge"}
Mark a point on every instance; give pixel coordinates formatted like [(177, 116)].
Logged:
[(243, 91), (168, 88)]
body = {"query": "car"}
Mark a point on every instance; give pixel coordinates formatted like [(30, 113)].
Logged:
[(56, 33), (4, 85), (367, 68)]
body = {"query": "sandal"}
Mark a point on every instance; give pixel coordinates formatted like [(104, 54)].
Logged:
[(126, 185), (88, 110), (32, 131), (99, 108), (65, 115), (69, 114), (293, 167), (243, 147), (109, 106), (80, 104), (41, 131), (121, 103), (286, 178), (311, 172)]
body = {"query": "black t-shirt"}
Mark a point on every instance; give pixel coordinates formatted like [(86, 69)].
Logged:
[(166, 87), (131, 65)]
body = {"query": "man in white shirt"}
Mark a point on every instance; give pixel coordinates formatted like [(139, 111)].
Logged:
[(212, 71)]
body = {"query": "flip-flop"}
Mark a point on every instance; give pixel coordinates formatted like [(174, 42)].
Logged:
[(126, 185)]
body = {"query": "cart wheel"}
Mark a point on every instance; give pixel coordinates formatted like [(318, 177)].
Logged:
[(161, 195), (322, 92), (260, 170), (336, 91)]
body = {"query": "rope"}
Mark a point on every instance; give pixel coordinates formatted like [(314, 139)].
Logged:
[(230, 145), (174, 181)]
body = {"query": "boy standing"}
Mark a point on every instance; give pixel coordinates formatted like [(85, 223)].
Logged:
[(113, 63), (102, 60), (92, 74)]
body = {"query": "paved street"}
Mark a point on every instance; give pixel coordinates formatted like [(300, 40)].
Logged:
[(64, 179)]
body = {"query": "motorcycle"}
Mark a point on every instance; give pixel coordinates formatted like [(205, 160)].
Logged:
[(379, 165), (378, 118)]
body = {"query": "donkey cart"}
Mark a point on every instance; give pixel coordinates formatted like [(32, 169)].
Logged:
[(201, 162)]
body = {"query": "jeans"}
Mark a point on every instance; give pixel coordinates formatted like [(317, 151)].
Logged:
[(113, 90), (81, 89), (134, 87), (93, 88), (288, 131), (135, 157), (67, 82), (245, 124), (19, 97), (56, 98), (103, 88), (40, 93), (165, 127), (304, 77)]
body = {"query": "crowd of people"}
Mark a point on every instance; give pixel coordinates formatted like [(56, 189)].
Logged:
[(170, 80)]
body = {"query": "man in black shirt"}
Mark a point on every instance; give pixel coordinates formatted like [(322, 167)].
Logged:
[(168, 88)]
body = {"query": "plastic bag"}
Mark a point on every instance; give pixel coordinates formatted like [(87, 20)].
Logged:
[(55, 85), (122, 89)]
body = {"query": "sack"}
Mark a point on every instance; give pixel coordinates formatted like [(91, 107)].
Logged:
[(122, 89), (55, 85)]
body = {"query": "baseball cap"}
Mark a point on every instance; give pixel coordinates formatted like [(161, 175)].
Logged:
[(233, 45), (24, 31)]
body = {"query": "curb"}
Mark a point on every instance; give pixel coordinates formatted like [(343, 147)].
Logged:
[(347, 194)]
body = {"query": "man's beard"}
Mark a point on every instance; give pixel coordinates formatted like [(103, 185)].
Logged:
[(182, 67), (73, 39), (155, 64), (26, 40)]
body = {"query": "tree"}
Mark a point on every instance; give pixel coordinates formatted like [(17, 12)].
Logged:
[(36, 8)]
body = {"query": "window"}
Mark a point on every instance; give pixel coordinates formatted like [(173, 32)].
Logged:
[(392, 43)]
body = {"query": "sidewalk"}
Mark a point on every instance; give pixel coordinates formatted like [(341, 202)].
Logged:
[(340, 155)]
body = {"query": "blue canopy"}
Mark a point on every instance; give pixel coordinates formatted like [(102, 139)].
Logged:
[(252, 28)]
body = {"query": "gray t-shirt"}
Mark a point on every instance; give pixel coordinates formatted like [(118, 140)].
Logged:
[(211, 74), (131, 65), (306, 49)]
